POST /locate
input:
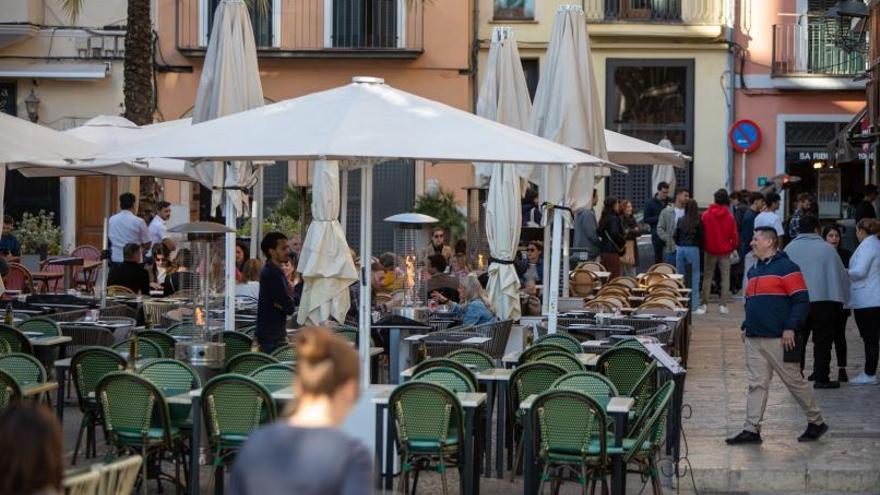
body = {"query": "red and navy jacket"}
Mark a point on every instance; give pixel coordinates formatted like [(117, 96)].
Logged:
[(776, 297)]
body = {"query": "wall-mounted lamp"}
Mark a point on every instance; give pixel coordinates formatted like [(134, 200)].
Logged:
[(32, 104), (818, 165)]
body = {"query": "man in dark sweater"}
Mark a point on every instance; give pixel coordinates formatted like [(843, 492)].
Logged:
[(653, 207), (274, 304), (131, 273), (777, 305), (865, 209)]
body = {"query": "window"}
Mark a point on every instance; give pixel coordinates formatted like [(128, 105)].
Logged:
[(394, 191), (531, 69), (365, 23), (663, 10), (262, 22), (650, 100), (514, 9)]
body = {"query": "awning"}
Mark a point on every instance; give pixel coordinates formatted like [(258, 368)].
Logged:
[(849, 143), (42, 69)]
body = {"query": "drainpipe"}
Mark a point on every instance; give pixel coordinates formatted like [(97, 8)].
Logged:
[(731, 106), (475, 51)]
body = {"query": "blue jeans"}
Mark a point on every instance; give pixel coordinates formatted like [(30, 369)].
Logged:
[(690, 255), (669, 258)]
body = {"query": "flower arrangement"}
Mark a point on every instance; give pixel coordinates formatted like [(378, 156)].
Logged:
[(38, 232)]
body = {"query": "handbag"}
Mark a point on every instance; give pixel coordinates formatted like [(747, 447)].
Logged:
[(629, 253)]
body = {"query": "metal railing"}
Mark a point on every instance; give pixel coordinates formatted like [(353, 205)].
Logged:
[(318, 28), (692, 12), (808, 48)]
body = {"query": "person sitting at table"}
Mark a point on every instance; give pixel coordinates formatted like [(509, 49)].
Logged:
[(131, 273), (476, 309), (182, 278), (533, 269), (459, 265), (249, 287), (160, 265), (440, 281), (8, 242), (308, 453)]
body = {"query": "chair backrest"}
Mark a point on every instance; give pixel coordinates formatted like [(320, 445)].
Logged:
[(85, 335), (563, 359), (452, 379), (568, 421), (235, 405), (88, 366), (286, 353), (249, 331), (600, 306), (447, 363), (582, 282), (650, 426), (624, 366), (593, 384), (25, 368), (10, 390), (19, 278), (154, 310), (118, 476), (236, 343), (184, 329), (165, 342), (348, 333), (661, 268), (146, 348), (474, 359), (274, 376), (4, 347), (630, 342), (424, 412), (119, 290), (534, 352), (593, 266), (171, 376), (86, 252), (81, 483), (17, 341), (132, 404), (45, 326), (532, 378), (572, 344), (248, 362), (627, 281)]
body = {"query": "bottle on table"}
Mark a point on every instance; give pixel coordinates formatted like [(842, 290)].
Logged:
[(9, 318)]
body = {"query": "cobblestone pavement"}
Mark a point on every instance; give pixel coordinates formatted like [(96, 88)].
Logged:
[(845, 460)]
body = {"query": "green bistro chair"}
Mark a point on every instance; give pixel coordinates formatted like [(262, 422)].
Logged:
[(286, 354), (593, 384), (624, 366), (248, 362), (184, 329), (572, 344), (633, 343), (137, 420), (534, 352), (4, 347), (452, 379), (88, 366), (233, 406), (25, 368), (429, 420), (643, 445), (165, 342), (15, 340), (44, 326), (565, 360), (249, 331), (528, 379), (474, 359), (348, 333), (173, 378), (147, 349), (447, 363), (566, 422), (274, 376), (236, 343), (10, 391)]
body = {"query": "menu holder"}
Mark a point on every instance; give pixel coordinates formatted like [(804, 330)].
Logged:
[(657, 352)]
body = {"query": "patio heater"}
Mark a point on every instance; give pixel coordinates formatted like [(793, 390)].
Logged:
[(204, 251), (477, 241), (410, 295)]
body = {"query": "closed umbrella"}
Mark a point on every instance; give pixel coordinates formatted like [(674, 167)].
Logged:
[(663, 173), (230, 83), (504, 97), (326, 265)]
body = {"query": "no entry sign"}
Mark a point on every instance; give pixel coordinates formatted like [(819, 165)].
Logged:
[(745, 136)]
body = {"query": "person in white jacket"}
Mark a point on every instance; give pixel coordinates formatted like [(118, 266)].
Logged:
[(864, 272)]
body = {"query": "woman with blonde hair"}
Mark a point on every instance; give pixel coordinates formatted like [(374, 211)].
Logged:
[(459, 265), (474, 308), (308, 454)]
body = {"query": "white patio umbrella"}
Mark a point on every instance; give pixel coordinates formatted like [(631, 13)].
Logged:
[(504, 98), (325, 263), (365, 122), (567, 110), (230, 83), (632, 151), (663, 172)]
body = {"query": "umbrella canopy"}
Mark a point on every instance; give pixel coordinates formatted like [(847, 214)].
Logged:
[(504, 98), (631, 151), (325, 263), (663, 172)]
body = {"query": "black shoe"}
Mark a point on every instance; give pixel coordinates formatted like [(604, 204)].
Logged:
[(744, 437), (812, 376), (826, 384), (842, 376), (813, 432)]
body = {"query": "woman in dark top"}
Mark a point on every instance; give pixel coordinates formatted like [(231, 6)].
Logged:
[(182, 278), (688, 239), (612, 241), (831, 234), (631, 232)]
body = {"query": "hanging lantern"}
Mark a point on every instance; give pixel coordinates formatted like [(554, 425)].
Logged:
[(846, 25)]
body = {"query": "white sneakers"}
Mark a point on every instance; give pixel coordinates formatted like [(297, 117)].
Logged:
[(864, 379), (701, 310), (723, 309)]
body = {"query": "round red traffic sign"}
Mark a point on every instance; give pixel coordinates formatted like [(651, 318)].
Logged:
[(745, 136)]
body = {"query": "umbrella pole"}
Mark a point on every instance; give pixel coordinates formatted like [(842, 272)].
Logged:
[(553, 282), (343, 205), (105, 242), (229, 293), (257, 215), (364, 307)]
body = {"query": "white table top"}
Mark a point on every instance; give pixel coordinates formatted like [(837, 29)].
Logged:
[(495, 375), (673, 276), (50, 341), (585, 358), (616, 405), (468, 400), (284, 394)]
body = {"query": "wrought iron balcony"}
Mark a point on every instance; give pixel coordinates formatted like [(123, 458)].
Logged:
[(692, 12), (808, 49)]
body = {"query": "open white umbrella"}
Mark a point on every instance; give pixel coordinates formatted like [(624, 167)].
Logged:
[(230, 83), (628, 150), (366, 122), (326, 265), (504, 98)]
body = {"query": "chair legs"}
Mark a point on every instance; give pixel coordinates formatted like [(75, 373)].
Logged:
[(517, 462)]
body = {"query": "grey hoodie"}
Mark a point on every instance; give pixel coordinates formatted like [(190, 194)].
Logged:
[(824, 273), (585, 232)]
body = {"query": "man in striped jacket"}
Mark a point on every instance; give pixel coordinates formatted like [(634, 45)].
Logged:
[(777, 305)]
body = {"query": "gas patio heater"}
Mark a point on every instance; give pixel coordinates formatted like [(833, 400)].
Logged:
[(410, 294)]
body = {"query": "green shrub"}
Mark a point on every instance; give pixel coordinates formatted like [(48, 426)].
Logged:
[(36, 230)]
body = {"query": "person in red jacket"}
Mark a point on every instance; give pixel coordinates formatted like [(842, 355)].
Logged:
[(720, 239)]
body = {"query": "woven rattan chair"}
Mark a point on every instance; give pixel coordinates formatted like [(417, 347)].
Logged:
[(88, 366), (248, 362), (119, 290), (593, 266), (274, 376), (632, 371), (147, 349), (600, 306), (571, 344), (81, 482), (10, 392), (642, 446), (118, 476), (452, 379), (582, 282), (19, 278), (447, 363), (429, 421), (43, 326), (165, 342), (285, 354), (173, 378), (474, 359), (593, 384), (184, 329), (84, 335), (626, 281), (498, 333), (4, 347), (664, 268), (15, 340), (155, 310), (25, 368), (534, 352), (348, 333), (236, 343), (564, 360), (249, 331)]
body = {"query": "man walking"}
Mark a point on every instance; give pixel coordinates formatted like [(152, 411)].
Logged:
[(126, 228), (777, 306), (274, 304), (653, 207), (721, 239), (586, 236), (828, 286), (667, 221), (804, 207)]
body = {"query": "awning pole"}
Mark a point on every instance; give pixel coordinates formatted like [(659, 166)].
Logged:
[(105, 242), (364, 306)]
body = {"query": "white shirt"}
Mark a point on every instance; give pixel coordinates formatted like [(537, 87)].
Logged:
[(679, 213), (864, 272), (157, 230), (125, 228), (769, 219), (248, 289)]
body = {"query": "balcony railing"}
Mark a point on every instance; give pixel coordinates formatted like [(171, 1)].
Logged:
[(317, 28), (808, 49), (693, 12)]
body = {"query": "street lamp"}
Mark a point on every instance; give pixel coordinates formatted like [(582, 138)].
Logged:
[(32, 104), (846, 24)]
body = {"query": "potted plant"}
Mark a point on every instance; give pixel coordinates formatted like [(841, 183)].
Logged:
[(39, 237), (442, 206)]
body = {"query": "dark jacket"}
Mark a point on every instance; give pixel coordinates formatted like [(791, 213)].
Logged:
[(274, 305), (845, 255), (586, 234), (739, 213), (746, 231), (688, 237), (132, 275), (865, 209), (612, 236), (180, 281), (776, 297), (653, 207)]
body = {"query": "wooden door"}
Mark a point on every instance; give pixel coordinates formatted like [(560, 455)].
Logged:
[(90, 209)]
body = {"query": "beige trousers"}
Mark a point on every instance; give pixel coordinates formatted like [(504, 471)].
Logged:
[(710, 261), (763, 357)]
